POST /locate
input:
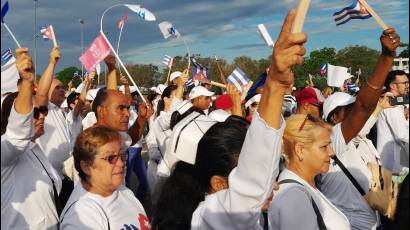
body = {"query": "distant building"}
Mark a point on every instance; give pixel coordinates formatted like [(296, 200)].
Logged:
[(401, 64)]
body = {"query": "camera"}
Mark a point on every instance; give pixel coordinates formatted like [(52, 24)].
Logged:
[(399, 100)]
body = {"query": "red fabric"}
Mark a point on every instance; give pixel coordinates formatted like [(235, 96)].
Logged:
[(98, 50), (223, 102), (307, 95)]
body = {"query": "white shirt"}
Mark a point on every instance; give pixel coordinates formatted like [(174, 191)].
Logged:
[(74, 124), (56, 141), (121, 210), (388, 148), (27, 196), (250, 183), (337, 187), (291, 207)]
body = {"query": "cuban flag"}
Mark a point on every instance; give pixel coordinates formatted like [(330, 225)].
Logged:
[(168, 30), (7, 55), (4, 10), (167, 61), (201, 78), (323, 70), (197, 68), (354, 11), (238, 78), (46, 32)]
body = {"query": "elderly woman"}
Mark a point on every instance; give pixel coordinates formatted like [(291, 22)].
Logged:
[(29, 184), (101, 201), (307, 145)]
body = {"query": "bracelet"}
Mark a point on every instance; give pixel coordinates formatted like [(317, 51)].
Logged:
[(373, 87)]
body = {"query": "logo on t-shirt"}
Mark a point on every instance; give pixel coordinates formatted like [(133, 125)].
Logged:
[(143, 221)]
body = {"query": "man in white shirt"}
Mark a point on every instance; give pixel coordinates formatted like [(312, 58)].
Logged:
[(392, 126), (201, 98)]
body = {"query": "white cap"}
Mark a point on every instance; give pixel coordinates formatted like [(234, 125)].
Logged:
[(186, 135), (184, 106), (219, 115), (256, 98), (89, 120), (335, 100), (174, 75), (200, 91), (91, 94), (64, 104), (132, 89)]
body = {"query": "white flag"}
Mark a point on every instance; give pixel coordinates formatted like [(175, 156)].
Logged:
[(168, 30), (9, 76), (336, 75)]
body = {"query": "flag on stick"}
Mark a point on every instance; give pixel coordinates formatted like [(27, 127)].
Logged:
[(168, 30), (323, 69), (98, 50), (336, 75), (199, 68), (7, 55), (121, 23), (238, 78), (167, 61), (354, 11), (4, 10), (48, 34)]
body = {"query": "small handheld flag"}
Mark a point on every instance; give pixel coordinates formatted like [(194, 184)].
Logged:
[(354, 11), (7, 55), (98, 50), (4, 10), (199, 68), (48, 34), (323, 69), (168, 30), (167, 61), (238, 78), (121, 23)]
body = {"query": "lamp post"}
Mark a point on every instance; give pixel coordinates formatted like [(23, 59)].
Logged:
[(35, 39), (82, 43)]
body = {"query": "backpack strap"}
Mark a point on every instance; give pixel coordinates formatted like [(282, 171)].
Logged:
[(319, 218)]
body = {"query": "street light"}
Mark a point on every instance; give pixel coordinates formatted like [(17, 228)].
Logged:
[(35, 38), (82, 44)]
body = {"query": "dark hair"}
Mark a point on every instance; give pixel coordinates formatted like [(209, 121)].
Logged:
[(8, 102), (87, 144), (19, 81), (71, 98), (176, 116), (334, 111), (99, 99), (167, 93), (217, 154), (151, 96), (391, 76)]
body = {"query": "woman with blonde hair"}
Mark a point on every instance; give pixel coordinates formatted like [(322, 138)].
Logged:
[(307, 144)]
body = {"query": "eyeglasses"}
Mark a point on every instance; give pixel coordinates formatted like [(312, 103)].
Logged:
[(112, 159), (310, 118), (38, 110), (255, 104), (406, 83)]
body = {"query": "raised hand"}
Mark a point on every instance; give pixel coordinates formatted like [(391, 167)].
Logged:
[(144, 111), (184, 77), (55, 55), (390, 41), (24, 64), (123, 80), (110, 61), (233, 92), (288, 51)]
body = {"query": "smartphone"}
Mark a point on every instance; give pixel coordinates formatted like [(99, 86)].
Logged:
[(399, 100)]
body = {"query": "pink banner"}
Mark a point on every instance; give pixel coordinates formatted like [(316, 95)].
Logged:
[(98, 50)]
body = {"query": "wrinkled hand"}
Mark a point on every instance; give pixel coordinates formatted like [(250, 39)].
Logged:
[(384, 102), (390, 41), (233, 92), (123, 80), (110, 61), (55, 55), (288, 51), (24, 64), (90, 77), (144, 112)]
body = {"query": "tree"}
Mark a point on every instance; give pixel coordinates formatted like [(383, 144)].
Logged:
[(66, 75), (405, 52)]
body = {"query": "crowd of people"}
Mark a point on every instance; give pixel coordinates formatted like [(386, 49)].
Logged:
[(278, 159)]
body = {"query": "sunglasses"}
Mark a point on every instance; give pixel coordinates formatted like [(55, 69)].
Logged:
[(112, 159), (38, 110), (310, 118)]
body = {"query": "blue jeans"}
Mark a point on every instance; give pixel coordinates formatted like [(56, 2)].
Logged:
[(136, 163)]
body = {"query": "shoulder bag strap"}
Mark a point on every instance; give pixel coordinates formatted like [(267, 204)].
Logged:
[(349, 175), (319, 218)]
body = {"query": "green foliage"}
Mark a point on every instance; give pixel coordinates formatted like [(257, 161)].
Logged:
[(66, 75), (405, 52)]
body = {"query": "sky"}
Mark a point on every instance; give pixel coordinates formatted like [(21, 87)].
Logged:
[(227, 28)]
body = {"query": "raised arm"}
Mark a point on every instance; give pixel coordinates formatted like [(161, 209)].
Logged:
[(112, 73), (235, 96), (370, 92), (288, 51), (127, 91), (137, 129), (24, 64), (46, 78), (83, 94)]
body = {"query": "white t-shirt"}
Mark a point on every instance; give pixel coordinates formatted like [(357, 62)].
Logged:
[(250, 183), (388, 148), (56, 141), (291, 207), (121, 210), (337, 187), (27, 196)]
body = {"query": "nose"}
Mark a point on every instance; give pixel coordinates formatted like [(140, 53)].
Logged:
[(330, 152)]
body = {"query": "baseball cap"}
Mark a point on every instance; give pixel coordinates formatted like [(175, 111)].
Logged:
[(200, 91), (174, 75), (307, 95), (253, 99), (335, 100)]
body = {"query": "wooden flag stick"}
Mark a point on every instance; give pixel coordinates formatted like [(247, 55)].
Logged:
[(300, 16), (54, 36), (374, 15), (221, 73), (167, 77), (218, 84)]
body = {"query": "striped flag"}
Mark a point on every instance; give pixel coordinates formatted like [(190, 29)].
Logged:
[(199, 68), (190, 82), (121, 23), (354, 11), (323, 70), (201, 77), (238, 78), (7, 55), (167, 61), (46, 32), (168, 30)]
